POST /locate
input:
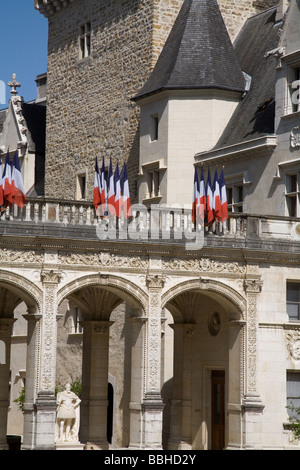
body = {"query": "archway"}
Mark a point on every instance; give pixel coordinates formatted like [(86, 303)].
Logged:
[(20, 300), (208, 345), (106, 304)]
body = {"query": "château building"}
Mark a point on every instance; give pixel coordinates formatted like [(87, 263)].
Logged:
[(182, 337)]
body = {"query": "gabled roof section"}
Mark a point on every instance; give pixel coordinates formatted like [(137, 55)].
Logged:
[(255, 114), (198, 53)]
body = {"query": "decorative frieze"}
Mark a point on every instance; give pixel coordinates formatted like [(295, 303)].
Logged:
[(11, 255), (103, 259), (203, 265)]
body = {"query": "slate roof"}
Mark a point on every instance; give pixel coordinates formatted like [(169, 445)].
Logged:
[(198, 53), (254, 115)]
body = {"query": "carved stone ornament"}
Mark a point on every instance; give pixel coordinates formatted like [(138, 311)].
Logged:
[(253, 286), (155, 282), (107, 260), (203, 265), (295, 137), (293, 345), (52, 277), (214, 323)]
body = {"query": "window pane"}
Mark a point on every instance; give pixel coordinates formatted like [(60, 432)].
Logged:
[(293, 392), (293, 292), (229, 195), (293, 311), (292, 183), (240, 194), (292, 206)]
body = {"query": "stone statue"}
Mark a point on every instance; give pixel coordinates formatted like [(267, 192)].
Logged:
[(67, 415)]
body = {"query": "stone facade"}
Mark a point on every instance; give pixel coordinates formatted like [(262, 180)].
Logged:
[(149, 322), (126, 40)]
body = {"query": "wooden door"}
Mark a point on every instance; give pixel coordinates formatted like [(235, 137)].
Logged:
[(218, 409)]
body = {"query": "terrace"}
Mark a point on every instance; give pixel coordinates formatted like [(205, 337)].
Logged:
[(50, 218)]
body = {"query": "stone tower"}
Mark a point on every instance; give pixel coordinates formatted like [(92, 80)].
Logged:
[(100, 53)]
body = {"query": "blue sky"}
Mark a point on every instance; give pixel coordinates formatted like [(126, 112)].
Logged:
[(23, 47)]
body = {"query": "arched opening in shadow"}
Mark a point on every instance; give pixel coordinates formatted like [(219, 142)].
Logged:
[(110, 412)]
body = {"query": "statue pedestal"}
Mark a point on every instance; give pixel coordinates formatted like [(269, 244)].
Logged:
[(69, 446)]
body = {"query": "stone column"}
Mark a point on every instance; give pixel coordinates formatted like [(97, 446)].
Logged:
[(181, 415), (93, 427), (137, 381), (33, 337), (153, 404), (46, 401), (236, 369), (6, 326), (252, 404)]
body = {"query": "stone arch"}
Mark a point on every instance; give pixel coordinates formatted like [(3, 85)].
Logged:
[(120, 287), (200, 349), (228, 297), (23, 289)]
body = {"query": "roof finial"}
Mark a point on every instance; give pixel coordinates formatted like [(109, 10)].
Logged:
[(14, 85)]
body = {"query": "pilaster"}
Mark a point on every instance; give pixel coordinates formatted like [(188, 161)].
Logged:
[(29, 410), (252, 404), (46, 401), (153, 404), (6, 326)]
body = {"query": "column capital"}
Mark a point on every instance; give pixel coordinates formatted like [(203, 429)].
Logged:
[(32, 317), (155, 281), (187, 328), (6, 325), (51, 277), (253, 286)]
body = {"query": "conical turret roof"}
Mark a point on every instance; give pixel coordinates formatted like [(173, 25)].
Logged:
[(198, 53)]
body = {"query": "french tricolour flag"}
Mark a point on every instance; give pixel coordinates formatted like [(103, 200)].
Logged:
[(6, 180), (97, 186), (217, 199), (17, 185), (1, 188), (223, 198), (126, 206), (196, 199), (202, 196), (111, 190), (209, 200), (117, 191), (103, 184)]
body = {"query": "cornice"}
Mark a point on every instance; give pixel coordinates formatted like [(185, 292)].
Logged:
[(48, 8)]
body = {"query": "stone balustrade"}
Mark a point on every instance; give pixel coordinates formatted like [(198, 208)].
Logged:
[(53, 217)]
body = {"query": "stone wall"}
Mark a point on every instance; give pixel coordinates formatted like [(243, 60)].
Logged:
[(90, 112), (235, 12)]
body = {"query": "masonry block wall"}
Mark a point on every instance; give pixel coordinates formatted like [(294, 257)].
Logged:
[(89, 111)]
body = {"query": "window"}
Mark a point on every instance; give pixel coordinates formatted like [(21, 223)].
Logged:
[(293, 300), (292, 194), (81, 187), (293, 103), (154, 128), (235, 197), (153, 184), (293, 393), (85, 40)]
